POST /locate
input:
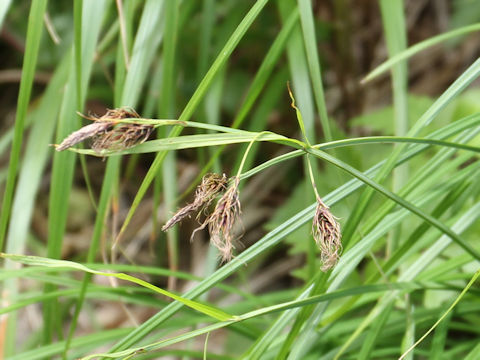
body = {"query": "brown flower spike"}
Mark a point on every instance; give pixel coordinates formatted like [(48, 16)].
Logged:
[(222, 220), (326, 232), (107, 135), (206, 192), (121, 137), (84, 133)]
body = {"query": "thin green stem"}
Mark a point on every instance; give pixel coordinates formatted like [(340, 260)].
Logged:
[(245, 155), (312, 178), (457, 300), (205, 347), (299, 115)]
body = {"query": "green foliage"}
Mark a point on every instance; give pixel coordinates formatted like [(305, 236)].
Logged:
[(399, 175)]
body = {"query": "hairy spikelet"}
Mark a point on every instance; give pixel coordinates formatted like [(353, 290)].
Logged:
[(107, 135), (121, 137), (327, 235), (222, 220), (206, 192), (84, 133)]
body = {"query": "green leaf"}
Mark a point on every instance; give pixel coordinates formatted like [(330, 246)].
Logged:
[(34, 33), (145, 44), (413, 50), (467, 287), (311, 50), (4, 6), (256, 313), (194, 102), (53, 263), (429, 219), (187, 142)]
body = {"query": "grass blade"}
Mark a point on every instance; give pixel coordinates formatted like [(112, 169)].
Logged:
[(166, 109), (469, 285), (429, 219), (4, 6), (310, 42), (34, 33), (193, 103), (413, 50), (206, 140), (140, 60), (395, 33), (52, 263), (256, 313)]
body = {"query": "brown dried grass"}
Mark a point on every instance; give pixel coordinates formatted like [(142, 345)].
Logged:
[(206, 192), (106, 134), (327, 235), (222, 219)]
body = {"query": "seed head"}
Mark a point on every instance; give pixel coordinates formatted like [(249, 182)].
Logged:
[(84, 133), (121, 137), (222, 220), (206, 192), (327, 235), (105, 133)]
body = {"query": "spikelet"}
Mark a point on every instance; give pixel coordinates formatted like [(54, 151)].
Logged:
[(327, 235), (222, 220), (122, 137), (84, 133), (206, 192), (107, 135)]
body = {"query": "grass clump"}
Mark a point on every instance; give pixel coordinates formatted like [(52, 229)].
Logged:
[(358, 219)]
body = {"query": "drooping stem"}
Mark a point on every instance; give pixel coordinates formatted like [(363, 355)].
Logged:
[(299, 116), (312, 178), (245, 155)]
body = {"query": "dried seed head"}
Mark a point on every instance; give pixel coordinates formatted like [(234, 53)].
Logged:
[(221, 221), (122, 137), (212, 184), (118, 114), (84, 133), (108, 136), (326, 232), (206, 192)]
